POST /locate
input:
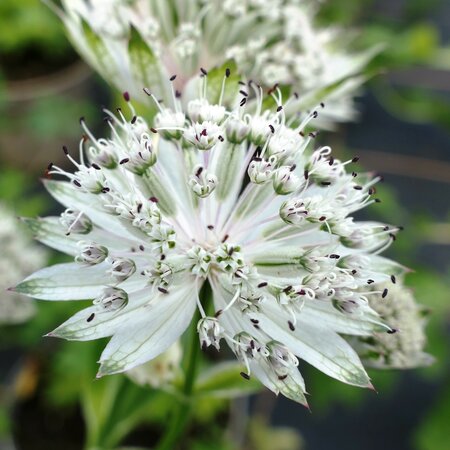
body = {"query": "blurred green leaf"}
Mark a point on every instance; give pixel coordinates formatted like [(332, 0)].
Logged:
[(223, 380)]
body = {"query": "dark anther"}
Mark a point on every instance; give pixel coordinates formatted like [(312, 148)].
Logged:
[(393, 236), (313, 134), (225, 238), (96, 166), (133, 120), (221, 139), (141, 248), (162, 257), (81, 119), (315, 114), (203, 71), (291, 326), (126, 96), (230, 251), (296, 95), (164, 291), (354, 272), (292, 168), (322, 104), (241, 83), (354, 174), (90, 318), (325, 183), (282, 377), (334, 256), (124, 160), (385, 292), (139, 208), (210, 227), (218, 313), (199, 171), (153, 199), (245, 94), (279, 108), (76, 183), (263, 284), (50, 166), (392, 331), (65, 150), (172, 78), (355, 159), (227, 72), (153, 130), (105, 190), (256, 326), (245, 376), (254, 320), (377, 200), (321, 219), (370, 281), (393, 279), (331, 161), (306, 174), (147, 91), (177, 94), (243, 102), (357, 187)]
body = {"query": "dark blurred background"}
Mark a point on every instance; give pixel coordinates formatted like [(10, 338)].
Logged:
[(402, 132)]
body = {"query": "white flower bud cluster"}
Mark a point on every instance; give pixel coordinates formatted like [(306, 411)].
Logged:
[(402, 347), (19, 257)]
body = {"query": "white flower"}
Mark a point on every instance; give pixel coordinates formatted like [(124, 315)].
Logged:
[(403, 347), (137, 43), (160, 371), (281, 253), (19, 257)]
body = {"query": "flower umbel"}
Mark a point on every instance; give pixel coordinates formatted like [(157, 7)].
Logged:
[(404, 350), (19, 257), (282, 253), (142, 42)]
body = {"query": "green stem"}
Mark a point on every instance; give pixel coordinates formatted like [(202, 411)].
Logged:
[(180, 420)]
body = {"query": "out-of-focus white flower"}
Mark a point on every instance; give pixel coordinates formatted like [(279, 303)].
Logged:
[(159, 371), (285, 260), (19, 257), (140, 43), (403, 348)]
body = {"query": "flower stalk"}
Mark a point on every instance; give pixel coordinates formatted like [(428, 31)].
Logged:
[(182, 414)]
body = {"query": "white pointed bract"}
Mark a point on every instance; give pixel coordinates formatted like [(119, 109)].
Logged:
[(19, 257), (142, 42), (403, 348), (285, 260)]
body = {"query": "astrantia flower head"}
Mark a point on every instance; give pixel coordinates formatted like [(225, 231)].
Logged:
[(160, 371), (407, 319), (142, 42), (281, 252), (20, 256)]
